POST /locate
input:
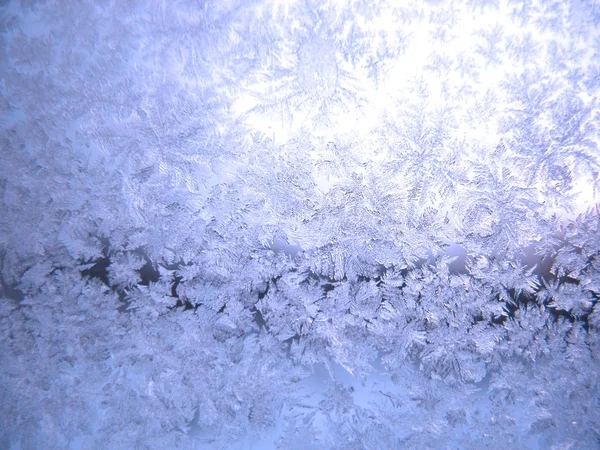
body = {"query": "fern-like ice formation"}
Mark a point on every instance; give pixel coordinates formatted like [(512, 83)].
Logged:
[(299, 224)]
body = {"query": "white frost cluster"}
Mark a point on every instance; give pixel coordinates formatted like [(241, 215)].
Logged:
[(346, 224)]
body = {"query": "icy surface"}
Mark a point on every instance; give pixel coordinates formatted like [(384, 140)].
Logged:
[(299, 224)]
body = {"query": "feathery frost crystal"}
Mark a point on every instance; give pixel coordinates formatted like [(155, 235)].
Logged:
[(348, 224)]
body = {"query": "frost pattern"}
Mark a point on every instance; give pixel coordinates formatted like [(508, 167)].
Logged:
[(345, 224)]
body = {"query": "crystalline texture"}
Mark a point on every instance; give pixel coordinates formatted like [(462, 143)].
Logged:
[(344, 224)]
